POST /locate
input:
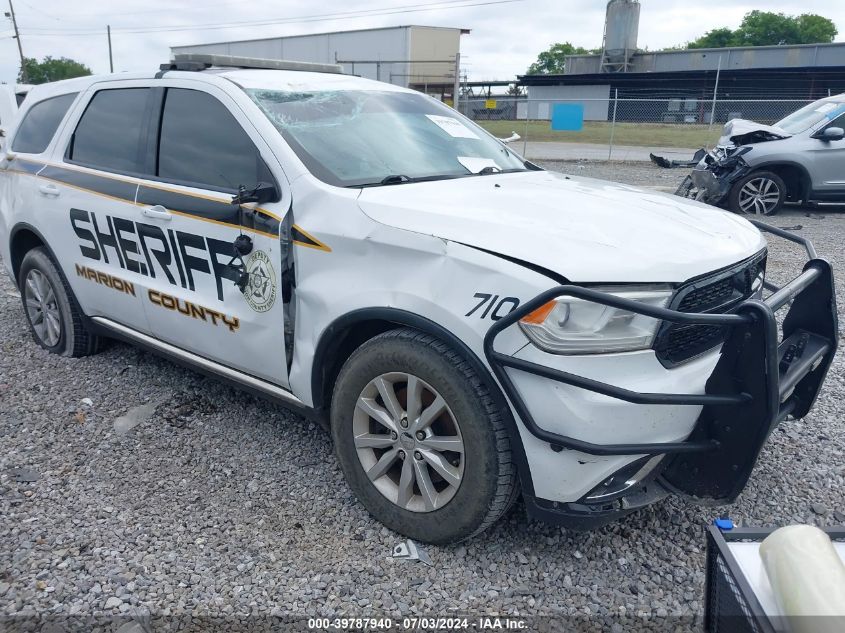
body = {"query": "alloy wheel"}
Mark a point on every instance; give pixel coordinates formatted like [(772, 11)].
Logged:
[(408, 442), (42, 308), (759, 196)]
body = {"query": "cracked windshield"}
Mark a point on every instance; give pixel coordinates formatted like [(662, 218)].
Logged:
[(357, 138)]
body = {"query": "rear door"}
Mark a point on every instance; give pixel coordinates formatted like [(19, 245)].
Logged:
[(93, 184), (207, 150)]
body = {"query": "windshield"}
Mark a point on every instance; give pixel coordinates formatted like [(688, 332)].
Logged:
[(809, 115), (356, 138)]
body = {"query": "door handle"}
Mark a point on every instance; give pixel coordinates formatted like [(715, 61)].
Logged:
[(158, 212), (49, 190)]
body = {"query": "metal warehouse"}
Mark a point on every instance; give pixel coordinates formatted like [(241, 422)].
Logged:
[(689, 78), (421, 57)]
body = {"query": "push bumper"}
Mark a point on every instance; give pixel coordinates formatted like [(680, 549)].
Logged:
[(759, 380)]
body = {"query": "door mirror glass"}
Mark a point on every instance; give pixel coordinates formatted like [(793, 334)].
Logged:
[(832, 134), (262, 193)]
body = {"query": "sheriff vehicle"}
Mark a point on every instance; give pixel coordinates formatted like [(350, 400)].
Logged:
[(471, 327)]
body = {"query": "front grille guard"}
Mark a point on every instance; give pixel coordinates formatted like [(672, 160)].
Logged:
[(758, 380)]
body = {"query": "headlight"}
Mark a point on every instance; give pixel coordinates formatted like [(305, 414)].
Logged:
[(574, 326)]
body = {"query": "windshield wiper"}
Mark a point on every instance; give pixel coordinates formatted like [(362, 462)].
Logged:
[(395, 179), (400, 179), (490, 169)]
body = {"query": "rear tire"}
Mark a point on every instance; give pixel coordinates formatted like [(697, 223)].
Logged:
[(758, 193), (52, 312), (440, 481)]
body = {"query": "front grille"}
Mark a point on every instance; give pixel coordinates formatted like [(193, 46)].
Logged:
[(718, 292)]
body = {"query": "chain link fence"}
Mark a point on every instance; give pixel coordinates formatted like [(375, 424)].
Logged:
[(617, 129)]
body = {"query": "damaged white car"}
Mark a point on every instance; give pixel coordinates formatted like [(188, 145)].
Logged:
[(756, 168), (471, 327)]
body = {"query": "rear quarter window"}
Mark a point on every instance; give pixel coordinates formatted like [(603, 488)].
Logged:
[(40, 123)]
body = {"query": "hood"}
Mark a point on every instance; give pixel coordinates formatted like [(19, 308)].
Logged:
[(586, 230), (743, 132)]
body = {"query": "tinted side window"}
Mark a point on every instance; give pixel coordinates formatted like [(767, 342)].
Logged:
[(40, 123), (111, 133), (202, 143)]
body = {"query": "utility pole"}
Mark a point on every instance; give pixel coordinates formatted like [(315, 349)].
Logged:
[(108, 33), (11, 14)]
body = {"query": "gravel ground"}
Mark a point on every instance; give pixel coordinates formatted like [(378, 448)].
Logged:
[(630, 173), (221, 504)]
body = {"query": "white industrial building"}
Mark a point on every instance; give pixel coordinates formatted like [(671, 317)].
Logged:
[(421, 57)]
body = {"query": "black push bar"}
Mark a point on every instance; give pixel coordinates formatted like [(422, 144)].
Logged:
[(810, 340)]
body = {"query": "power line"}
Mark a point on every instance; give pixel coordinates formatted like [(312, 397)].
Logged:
[(442, 4)]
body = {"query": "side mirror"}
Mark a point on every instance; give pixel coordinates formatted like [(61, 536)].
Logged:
[(831, 134), (262, 193)]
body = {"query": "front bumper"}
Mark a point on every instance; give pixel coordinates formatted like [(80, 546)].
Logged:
[(757, 382), (711, 180)]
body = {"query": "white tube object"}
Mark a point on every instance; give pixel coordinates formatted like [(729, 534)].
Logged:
[(807, 578)]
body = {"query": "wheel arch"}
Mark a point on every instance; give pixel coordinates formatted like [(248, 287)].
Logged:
[(794, 175), (23, 238), (348, 332)]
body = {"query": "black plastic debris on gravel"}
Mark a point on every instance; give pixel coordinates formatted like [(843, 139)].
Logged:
[(24, 475)]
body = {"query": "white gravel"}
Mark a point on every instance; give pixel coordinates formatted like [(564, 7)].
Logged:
[(212, 502)]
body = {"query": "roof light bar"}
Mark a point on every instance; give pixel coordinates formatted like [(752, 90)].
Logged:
[(202, 61)]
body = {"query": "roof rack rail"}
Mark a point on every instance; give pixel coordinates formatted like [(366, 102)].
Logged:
[(195, 62)]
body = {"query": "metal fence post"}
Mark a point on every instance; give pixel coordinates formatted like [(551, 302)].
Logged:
[(525, 136), (613, 123), (715, 92), (456, 89)]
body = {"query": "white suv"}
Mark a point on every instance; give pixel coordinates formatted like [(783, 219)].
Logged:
[(471, 326)]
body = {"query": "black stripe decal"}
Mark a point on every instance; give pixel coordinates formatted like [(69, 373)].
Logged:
[(25, 166), (203, 208), (212, 209), (299, 236), (120, 189)]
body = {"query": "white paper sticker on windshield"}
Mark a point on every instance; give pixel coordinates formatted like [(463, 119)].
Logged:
[(451, 126), (475, 164), (827, 107)]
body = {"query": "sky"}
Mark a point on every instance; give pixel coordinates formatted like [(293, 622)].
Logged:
[(506, 35)]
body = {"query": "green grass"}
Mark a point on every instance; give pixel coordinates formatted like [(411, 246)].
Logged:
[(636, 134)]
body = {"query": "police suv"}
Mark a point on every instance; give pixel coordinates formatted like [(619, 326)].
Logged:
[(471, 327)]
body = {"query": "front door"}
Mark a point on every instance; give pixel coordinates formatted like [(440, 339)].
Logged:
[(204, 155), (829, 163)]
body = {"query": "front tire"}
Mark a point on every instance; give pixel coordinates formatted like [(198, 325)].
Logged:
[(52, 312), (758, 193), (420, 440)]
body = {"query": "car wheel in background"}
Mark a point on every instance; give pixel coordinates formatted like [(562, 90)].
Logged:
[(52, 311), (420, 439), (758, 193)]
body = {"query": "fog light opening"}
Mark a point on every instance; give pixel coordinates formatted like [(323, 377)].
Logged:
[(623, 480)]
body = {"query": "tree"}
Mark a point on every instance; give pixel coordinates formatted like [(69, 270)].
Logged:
[(553, 60), (764, 28), (717, 38), (50, 69), (813, 29)]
